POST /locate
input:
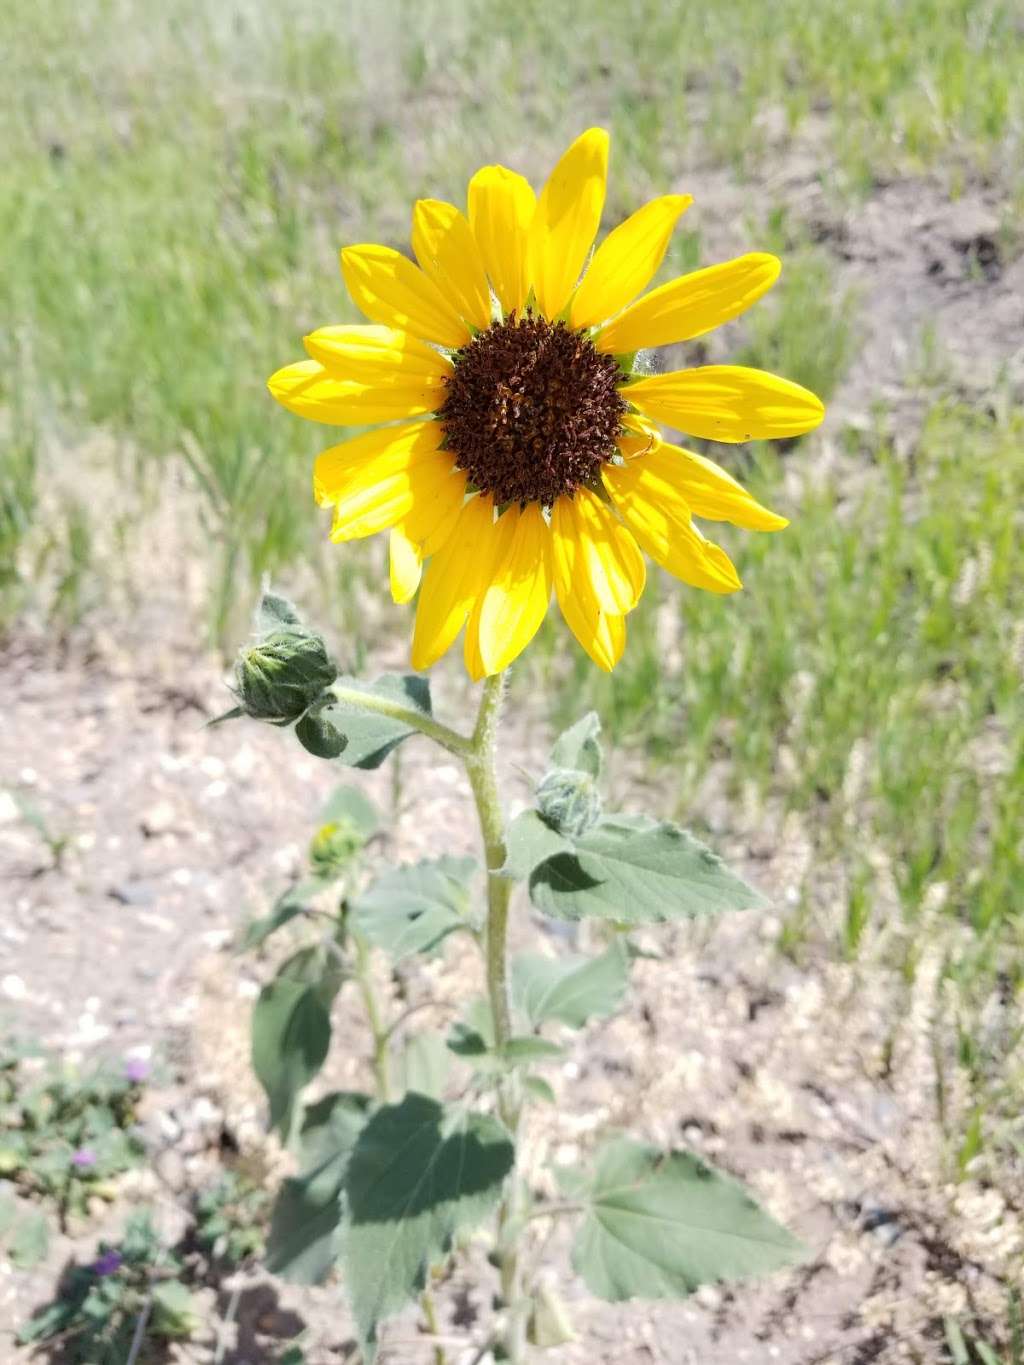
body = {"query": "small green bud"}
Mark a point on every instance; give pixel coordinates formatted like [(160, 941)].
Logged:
[(333, 847), (569, 801), (10, 1161), (549, 1322), (283, 674)]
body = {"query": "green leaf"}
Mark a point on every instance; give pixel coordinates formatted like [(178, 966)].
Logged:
[(370, 736), (526, 1050), (318, 735), (349, 805), (287, 906), (293, 1355), (634, 871), (578, 747), (291, 1029), (539, 1089), (419, 1174), (530, 841), (305, 1229), (231, 714), (30, 1240), (466, 1041), (476, 1046), (274, 611), (659, 1224), (423, 1065), (570, 989), (57, 1316), (174, 1310), (411, 909)]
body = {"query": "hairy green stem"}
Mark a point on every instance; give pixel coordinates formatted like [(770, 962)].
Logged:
[(433, 1325), (378, 1029), (434, 729), (477, 752), (483, 778)]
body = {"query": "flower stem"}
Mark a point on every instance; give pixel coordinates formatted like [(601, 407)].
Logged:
[(483, 778), (441, 734), (480, 767), (433, 1325), (378, 1029)]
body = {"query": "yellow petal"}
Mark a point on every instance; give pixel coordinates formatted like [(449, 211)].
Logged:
[(691, 305), (727, 403), (631, 444), (372, 456), (501, 206), (494, 552), (567, 218), (652, 508), (472, 657), (388, 288), (713, 493), (369, 505), (319, 394), (627, 260), (594, 548), (432, 519), (447, 252), (453, 581), (405, 565), (377, 355), (639, 436), (516, 601), (603, 636)]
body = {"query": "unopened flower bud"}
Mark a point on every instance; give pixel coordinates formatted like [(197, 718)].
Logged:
[(569, 801), (333, 847), (549, 1323), (282, 675)]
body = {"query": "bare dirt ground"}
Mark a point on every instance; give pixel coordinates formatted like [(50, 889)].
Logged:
[(815, 1083)]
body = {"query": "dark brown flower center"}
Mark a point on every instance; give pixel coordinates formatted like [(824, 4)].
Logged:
[(532, 409)]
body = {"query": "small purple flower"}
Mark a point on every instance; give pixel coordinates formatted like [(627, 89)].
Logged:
[(136, 1070), (83, 1158), (107, 1264)]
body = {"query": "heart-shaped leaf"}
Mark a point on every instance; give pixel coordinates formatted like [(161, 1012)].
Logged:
[(660, 1224), (305, 1228), (419, 1174), (411, 909), (570, 989), (291, 1029), (635, 871)]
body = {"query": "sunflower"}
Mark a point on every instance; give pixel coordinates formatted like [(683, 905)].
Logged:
[(513, 446)]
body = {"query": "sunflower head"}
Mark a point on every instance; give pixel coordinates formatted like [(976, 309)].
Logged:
[(513, 449)]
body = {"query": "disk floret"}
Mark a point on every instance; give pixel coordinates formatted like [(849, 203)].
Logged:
[(532, 410)]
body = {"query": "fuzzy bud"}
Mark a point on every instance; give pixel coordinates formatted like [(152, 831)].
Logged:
[(569, 801), (333, 847), (283, 674)]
